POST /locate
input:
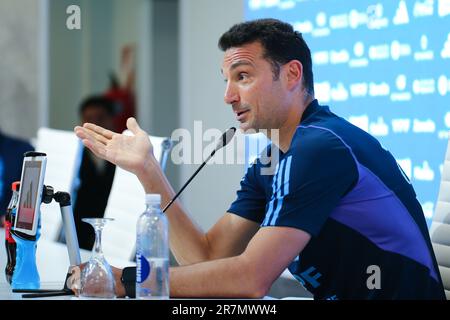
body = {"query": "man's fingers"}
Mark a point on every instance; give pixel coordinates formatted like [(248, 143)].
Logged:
[(98, 137), (73, 282), (79, 132), (108, 134), (89, 142), (97, 148), (87, 133), (133, 126)]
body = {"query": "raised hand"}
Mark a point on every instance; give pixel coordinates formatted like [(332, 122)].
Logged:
[(131, 153)]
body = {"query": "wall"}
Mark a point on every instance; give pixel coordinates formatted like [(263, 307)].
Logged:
[(165, 102), (202, 88), (65, 65), (179, 76), (20, 25), (81, 60)]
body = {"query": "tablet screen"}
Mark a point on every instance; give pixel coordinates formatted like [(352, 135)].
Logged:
[(29, 189)]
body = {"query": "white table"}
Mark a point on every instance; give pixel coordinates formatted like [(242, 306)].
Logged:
[(52, 261)]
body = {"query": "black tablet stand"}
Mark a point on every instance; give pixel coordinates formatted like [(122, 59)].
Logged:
[(63, 198)]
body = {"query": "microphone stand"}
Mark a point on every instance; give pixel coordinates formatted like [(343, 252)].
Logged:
[(189, 181), (73, 249)]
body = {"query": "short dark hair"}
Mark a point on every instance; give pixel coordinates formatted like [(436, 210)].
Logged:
[(98, 101), (279, 40)]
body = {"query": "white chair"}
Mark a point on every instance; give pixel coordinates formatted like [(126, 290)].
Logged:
[(440, 226), (125, 204)]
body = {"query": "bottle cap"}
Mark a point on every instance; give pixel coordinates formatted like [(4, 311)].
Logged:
[(15, 186), (153, 198)]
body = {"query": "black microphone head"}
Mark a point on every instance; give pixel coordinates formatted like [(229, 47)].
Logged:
[(226, 138)]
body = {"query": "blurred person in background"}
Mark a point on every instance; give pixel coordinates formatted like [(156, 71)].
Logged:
[(11, 158), (95, 175)]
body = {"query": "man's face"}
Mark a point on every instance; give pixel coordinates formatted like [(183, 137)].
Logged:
[(97, 115), (258, 100)]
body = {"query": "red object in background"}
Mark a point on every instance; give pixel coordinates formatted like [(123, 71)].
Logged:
[(122, 91), (126, 100)]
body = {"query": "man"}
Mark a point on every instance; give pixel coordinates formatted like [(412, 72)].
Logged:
[(336, 207), (11, 158), (96, 175)]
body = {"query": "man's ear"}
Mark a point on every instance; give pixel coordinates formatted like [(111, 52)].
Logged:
[(294, 74)]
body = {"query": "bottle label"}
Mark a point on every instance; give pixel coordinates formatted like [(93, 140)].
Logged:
[(143, 268), (8, 236)]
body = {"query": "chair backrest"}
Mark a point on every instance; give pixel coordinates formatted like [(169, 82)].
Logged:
[(440, 226), (63, 151), (126, 204)]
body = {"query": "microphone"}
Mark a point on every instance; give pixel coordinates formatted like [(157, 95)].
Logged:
[(224, 140)]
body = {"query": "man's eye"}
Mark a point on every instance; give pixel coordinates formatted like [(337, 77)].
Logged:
[(242, 76)]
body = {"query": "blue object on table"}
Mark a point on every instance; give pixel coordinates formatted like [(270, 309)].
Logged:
[(26, 275)]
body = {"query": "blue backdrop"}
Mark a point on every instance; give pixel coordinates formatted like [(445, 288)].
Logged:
[(384, 66)]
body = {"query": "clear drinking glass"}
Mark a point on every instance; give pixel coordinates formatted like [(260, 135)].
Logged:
[(97, 279)]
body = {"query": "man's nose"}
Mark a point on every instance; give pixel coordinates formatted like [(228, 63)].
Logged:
[(231, 95)]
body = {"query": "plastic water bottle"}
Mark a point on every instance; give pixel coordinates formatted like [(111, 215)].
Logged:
[(152, 251)]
